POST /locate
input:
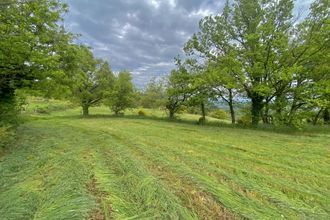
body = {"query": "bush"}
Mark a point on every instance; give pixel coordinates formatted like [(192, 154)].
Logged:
[(10, 108), (8, 113), (141, 112), (219, 114), (182, 109), (244, 120)]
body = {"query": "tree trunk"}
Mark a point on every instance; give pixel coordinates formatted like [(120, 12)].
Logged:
[(203, 110), (256, 108), (171, 114), (326, 116), (85, 110), (231, 107), (317, 116), (232, 113), (265, 114)]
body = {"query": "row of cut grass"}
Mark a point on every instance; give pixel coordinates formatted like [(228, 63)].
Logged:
[(67, 167)]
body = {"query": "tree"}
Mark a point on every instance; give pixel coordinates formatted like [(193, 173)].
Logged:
[(179, 89), (154, 95), (250, 40), (305, 88), (314, 50), (30, 38), (199, 93), (219, 79), (92, 79), (121, 97)]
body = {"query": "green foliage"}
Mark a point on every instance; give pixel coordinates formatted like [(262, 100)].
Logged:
[(245, 116), (141, 112), (30, 47), (179, 89), (256, 49), (30, 37), (219, 114), (10, 107), (190, 109), (9, 111), (154, 95), (92, 80), (121, 97), (244, 120)]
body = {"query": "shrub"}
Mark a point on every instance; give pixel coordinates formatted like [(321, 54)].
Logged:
[(182, 109), (141, 112), (10, 108), (244, 120), (219, 114)]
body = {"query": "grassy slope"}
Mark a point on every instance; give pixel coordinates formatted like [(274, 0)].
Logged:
[(66, 167)]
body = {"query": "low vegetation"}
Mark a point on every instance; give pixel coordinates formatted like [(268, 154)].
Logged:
[(105, 167)]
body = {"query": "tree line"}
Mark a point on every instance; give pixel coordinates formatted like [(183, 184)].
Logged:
[(254, 52)]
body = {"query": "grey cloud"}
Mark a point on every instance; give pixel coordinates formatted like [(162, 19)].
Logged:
[(142, 36)]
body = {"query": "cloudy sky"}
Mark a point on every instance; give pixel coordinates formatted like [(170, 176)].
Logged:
[(142, 36)]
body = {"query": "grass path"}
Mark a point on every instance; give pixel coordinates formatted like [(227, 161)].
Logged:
[(66, 167)]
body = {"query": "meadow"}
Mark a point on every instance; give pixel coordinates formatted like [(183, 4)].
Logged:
[(254, 76), (63, 166)]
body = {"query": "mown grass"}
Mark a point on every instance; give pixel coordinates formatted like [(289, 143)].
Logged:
[(67, 167)]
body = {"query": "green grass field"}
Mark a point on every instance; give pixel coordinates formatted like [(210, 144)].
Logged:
[(62, 166)]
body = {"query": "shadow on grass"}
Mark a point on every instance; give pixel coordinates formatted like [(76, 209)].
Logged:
[(307, 131)]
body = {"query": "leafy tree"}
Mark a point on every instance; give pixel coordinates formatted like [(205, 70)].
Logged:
[(200, 95), (305, 89), (30, 38), (251, 39), (314, 49), (121, 97), (252, 47), (222, 84), (179, 89), (154, 96), (92, 80)]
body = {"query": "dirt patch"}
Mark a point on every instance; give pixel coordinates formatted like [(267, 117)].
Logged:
[(103, 210)]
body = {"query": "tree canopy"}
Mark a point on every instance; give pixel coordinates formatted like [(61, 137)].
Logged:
[(260, 50)]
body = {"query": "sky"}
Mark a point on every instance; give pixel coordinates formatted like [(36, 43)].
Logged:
[(141, 36)]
